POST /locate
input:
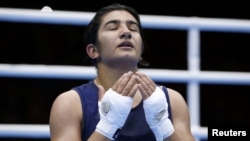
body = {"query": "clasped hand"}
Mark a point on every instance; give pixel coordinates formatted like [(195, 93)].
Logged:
[(116, 104), (129, 83)]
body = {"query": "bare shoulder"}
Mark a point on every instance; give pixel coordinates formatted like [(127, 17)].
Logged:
[(65, 116), (181, 117), (176, 99), (178, 105), (66, 101)]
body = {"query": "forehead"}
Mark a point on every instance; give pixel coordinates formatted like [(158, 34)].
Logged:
[(121, 15)]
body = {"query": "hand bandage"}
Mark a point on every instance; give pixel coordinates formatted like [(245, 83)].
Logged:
[(113, 109), (156, 112)]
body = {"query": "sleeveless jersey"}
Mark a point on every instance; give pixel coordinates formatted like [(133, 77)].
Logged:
[(135, 127)]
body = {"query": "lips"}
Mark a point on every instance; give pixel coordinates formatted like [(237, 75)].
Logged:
[(126, 44)]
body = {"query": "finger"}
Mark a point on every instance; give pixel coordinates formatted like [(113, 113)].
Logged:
[(115, 86), (143, 92), (129, 85), (144, 86), (133, 90), (122, 82), (148, 82)]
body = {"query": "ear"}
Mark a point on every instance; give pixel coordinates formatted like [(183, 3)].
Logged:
[(92, 51)]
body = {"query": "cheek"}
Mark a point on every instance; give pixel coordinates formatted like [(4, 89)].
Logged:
[(106, 39), (139, 44), (105, 45)]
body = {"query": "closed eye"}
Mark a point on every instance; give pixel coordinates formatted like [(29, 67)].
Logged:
[(112, 25), (133, 26)]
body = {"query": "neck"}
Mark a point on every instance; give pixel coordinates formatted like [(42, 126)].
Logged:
[(107, 76)]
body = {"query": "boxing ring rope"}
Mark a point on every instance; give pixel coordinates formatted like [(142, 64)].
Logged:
[(193, 76)]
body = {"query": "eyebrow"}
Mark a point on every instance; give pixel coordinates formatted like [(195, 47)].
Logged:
[(118, 21)]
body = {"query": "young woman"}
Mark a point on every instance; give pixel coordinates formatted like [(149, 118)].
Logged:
[(121, 103)]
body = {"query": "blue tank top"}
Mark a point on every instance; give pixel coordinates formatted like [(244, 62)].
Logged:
[(135, 127)]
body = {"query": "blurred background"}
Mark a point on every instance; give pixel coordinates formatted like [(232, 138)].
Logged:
[(28, 100)]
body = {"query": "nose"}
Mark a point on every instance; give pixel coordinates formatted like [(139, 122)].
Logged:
[(126, 35)]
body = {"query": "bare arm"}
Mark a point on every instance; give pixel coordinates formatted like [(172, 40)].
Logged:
[(181, 118), (65, 117)]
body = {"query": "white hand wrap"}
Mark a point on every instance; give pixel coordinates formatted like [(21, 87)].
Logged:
[(113, 109), (156, 112)]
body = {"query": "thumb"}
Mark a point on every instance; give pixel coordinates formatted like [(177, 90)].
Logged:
[(101, 91)]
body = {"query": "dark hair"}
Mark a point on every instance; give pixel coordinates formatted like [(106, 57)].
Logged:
[(90, 34)]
